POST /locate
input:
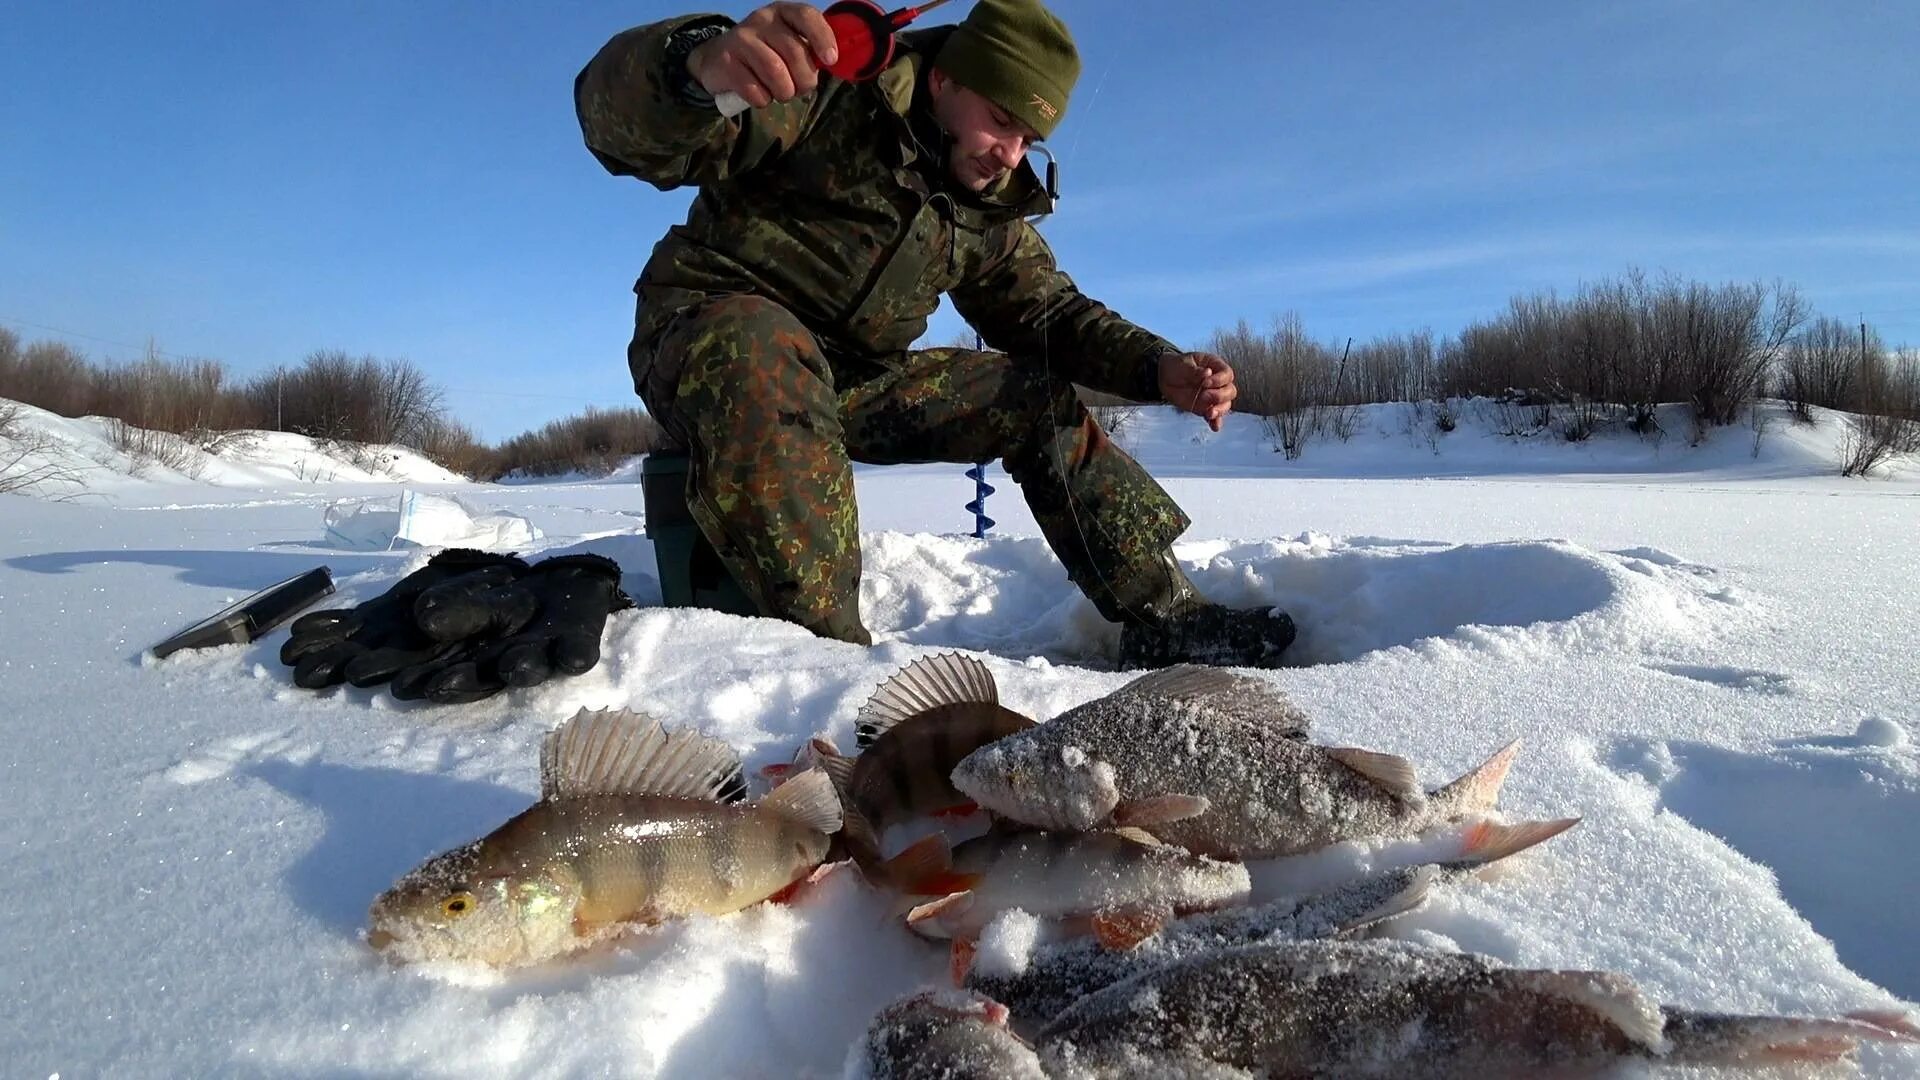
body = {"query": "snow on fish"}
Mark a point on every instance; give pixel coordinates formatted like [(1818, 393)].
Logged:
[(942, 1035), (1214, 762), (635, 825), (1122, 888), (1388, 1009), (1041, 982)]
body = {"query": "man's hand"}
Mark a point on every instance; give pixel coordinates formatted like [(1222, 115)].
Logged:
[(1199, 383), (772, 55)]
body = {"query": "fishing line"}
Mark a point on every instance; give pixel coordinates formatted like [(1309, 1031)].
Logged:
[(1060, 461)]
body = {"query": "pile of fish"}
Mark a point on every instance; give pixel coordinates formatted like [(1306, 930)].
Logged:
[(1104, 925)]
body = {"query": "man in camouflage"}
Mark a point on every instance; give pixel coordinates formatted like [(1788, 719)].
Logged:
[(773, 329)]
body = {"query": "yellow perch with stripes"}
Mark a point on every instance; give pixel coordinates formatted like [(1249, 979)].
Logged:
[(635, 825)]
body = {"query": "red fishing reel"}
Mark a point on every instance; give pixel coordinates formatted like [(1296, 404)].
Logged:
[(863, 32), (863, 37)]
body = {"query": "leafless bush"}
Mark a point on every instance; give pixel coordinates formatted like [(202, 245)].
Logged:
[(342, 398), (593, 443), (1822, 365), (1633, 344), (1283, 377), (1395, 367), (452, 445), (1113, 419), (1888, 425), (27, 457), (221, 443), (47, 374), (1514, 415), (176, 396), (148, 447)]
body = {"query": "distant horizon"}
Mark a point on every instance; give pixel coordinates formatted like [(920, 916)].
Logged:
[(409, 182)]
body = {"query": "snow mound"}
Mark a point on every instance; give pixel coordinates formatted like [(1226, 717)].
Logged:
[(99, 456), (1351, 597), (1818, 812)]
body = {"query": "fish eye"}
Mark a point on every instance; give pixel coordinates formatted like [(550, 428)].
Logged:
[(453, 907)]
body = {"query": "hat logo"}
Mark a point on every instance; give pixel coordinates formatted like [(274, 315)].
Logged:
[(1046, 107)]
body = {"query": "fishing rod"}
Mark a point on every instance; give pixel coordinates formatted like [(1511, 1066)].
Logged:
[(863, 36)]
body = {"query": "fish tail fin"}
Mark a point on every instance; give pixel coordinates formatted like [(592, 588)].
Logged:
[(1478, 791), (1719, 1039), (1486, 841)]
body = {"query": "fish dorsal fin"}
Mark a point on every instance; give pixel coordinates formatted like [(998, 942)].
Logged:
[(925, 684), (622, 752), (808, 799), (1243, 697), (1610, 995), (1393, 775)]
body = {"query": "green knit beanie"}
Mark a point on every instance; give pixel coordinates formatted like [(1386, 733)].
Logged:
[(1016, 54)]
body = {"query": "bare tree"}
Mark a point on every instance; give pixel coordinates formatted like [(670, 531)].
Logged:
[(1888, 424), (1821, 366)]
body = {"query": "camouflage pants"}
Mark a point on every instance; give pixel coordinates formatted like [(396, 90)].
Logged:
[(771, 424)]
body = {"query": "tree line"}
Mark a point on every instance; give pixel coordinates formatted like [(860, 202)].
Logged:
[(1607, 356), (166, 409)]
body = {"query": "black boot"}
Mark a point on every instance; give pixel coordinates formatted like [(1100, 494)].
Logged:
[(1210, 634), (1176, 625)]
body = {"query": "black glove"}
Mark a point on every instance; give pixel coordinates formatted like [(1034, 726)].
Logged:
[(369, 643), (572, 594)]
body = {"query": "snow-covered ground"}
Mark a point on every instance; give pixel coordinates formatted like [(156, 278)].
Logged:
[(1708, 651)]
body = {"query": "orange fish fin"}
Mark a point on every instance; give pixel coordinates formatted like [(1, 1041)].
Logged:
[(1487, 841), (960, 959), (1121, 929), (1479, 791), (957, 810), (925, 918), (1160, 809), (923, 863)]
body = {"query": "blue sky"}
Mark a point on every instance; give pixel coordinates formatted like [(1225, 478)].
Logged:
[(255, 181)]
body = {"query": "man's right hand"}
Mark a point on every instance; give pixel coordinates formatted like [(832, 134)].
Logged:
[(772, 55)]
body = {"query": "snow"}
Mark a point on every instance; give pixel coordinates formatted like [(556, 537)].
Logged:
[(89, 465), (1708, 655)]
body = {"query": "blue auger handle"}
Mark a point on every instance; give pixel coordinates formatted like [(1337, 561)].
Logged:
[(978, 507)]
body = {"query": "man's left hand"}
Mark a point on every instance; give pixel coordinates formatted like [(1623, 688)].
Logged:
[(1199, 383)]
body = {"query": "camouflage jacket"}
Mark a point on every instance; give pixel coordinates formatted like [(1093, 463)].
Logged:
[(824, 205)]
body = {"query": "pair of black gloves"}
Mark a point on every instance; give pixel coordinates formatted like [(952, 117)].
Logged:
[(464, 627)]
